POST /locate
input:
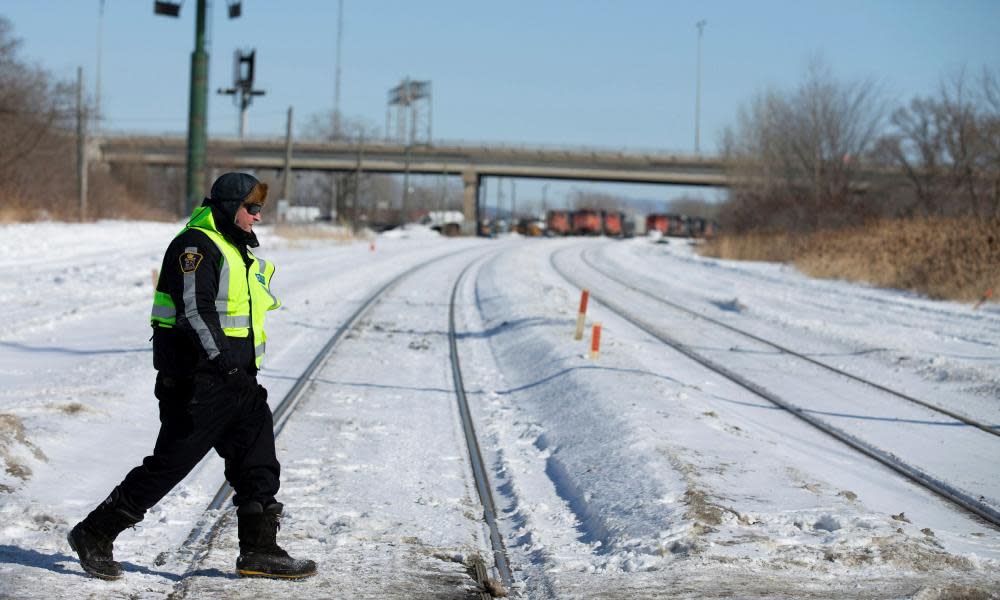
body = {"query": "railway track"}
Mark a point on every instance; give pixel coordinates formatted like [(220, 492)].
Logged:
[(475, 454), (991, 429), (958, 497), (202, 537)]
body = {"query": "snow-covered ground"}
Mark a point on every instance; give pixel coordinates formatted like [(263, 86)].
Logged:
[(638, 474)]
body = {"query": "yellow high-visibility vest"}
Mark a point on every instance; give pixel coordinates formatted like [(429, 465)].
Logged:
[(241, 289)]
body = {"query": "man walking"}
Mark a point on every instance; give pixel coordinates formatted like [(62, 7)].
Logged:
[(208, 344)]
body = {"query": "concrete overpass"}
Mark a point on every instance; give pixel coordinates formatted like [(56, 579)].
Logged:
[(471, 162)]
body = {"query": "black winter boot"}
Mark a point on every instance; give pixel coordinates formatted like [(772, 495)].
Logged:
[(93, 537), (260, 555)]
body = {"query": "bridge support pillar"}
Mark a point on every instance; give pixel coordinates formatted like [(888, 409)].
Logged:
[(470, 203)]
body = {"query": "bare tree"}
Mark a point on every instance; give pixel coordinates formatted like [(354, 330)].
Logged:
[(918, 146), (35, 126), (342, 191), (988, 128), (692, 206), (949, 148), (797, 155)]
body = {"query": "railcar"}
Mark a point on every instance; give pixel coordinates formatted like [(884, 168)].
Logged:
[(557, 222), (667, 224), (586, 222), (614, 223)]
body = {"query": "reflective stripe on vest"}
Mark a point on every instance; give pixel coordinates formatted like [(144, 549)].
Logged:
[(193, 316)]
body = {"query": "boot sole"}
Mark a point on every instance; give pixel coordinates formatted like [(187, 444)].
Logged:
[(262, 574), (92, 573)]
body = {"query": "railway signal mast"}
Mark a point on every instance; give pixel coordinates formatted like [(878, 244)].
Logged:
[(242, 90), (198, 104)]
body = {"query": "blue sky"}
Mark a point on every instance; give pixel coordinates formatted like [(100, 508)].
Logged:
[(599, 73)]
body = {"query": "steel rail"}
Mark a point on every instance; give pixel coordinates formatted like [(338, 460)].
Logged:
[(208, 529), (993, 430), (475, 454), (941, 488)]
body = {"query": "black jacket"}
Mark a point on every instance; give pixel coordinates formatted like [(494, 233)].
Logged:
[(197, 343)]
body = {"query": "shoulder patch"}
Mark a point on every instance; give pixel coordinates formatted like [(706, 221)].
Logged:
[(190, 261)]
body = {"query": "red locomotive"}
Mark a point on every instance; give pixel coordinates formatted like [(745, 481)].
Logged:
[(614, 223), (586, 222), (667, 224), (557, 222)]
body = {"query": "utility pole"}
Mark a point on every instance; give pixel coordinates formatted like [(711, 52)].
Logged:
[(499, 202), (81, 146), (443, 183), (356, 206), (406, 184), (513, 202), (286, 187), (336, 82), (485, 192), (697, 102)]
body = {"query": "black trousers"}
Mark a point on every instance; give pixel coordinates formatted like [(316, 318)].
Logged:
[(197, 415)]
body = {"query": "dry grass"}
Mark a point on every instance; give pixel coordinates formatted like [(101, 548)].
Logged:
[(955, 259), (107, 198), (18, 208), (336, 233)]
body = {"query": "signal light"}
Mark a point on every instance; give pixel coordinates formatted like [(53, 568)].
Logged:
[(167, 9)]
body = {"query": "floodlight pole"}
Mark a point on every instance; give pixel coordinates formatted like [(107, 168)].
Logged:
[(97, 84), (697, 102), (336, 83), (197, 112)]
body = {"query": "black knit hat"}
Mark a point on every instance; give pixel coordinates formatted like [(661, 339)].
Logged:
[(233, 187)]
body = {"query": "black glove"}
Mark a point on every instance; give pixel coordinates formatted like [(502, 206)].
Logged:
[(223, 365), (236, 380)]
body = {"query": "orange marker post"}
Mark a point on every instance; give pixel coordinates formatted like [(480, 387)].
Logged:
[(986, 296), (595, 341), (371, 245), (582, 316)]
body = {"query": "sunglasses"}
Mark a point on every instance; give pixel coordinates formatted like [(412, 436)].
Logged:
[(253, 209)]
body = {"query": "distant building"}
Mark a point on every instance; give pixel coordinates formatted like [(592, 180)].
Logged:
[(288, 213)]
